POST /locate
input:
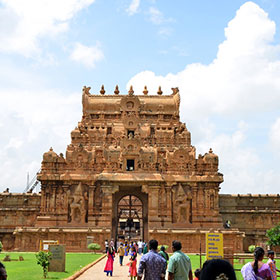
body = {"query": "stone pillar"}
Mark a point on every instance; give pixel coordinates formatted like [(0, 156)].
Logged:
[(107, 205), (168, 212), (43, 200), (154, 220), (90, 199)]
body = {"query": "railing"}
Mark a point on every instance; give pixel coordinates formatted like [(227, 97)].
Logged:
[(33, 183)]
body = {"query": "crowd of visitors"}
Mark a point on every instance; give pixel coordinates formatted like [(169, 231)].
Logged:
[(156, 265)]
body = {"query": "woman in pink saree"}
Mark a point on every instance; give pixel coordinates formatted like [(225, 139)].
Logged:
[(256, 270), (110, 261)]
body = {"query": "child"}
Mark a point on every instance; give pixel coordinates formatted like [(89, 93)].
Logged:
[(272, 265), (196, 274), (133, 262)]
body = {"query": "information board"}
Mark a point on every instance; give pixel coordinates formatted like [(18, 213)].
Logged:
[(214, 246)]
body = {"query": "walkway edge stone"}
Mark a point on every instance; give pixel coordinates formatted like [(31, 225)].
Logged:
[(80, 272)]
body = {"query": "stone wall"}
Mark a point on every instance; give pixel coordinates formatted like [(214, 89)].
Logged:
[(17, 210), (252, 214)]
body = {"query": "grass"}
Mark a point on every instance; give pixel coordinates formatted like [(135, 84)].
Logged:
[(30, 270), (237, 264)]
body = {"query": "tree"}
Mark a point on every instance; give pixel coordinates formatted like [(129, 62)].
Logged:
[(273, 235), (43, 259), (1, 246), (94, 247)]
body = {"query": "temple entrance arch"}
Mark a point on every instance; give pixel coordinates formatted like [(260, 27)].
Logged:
[(130, 214), (130, 218)]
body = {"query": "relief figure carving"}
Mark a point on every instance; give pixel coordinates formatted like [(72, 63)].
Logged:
[(183, 205), (78, 203)]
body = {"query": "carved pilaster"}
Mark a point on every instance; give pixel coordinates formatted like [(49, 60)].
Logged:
[(90, 200)]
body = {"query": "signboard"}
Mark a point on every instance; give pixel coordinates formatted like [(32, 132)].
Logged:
[(44, 244), (57, 261), (214, 246)]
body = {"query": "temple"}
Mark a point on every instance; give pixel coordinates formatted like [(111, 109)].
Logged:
[(131, 172)]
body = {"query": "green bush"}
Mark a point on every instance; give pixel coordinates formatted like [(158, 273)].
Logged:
[(273, 235), (94, 247), (1, 246), (43, 259), (251, 248), (165, 246)]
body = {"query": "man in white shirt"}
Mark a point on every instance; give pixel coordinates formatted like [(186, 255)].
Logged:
[(140, 247)]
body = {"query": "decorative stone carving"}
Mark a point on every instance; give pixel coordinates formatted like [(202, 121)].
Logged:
[(78, 205), (183, 205)]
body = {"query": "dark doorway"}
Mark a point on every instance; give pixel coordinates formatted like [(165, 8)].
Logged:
[(130, 165), (130, 218)]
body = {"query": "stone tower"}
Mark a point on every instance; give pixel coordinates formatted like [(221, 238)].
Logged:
[(130, 172)]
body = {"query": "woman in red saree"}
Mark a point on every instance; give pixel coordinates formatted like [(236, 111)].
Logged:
[(110, 261)]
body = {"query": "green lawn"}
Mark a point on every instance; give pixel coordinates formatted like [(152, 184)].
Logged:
[(237, 264), (29, 270)]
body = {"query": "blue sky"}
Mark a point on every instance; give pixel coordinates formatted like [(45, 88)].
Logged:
[(223, 55)]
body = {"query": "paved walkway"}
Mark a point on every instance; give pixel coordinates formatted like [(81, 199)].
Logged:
[(97, 271)]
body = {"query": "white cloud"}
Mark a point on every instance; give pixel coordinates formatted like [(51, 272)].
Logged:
[(241, 82), (32, 122), (23, 22), (274, 135), (243, 77), (87, 55), (133, 7), (156, 16)]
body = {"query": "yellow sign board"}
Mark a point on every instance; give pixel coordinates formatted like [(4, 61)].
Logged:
[(214, 246)]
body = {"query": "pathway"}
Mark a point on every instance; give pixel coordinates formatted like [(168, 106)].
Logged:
[(97, 271)]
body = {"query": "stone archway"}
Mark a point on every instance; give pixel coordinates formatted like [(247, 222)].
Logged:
[(130, 218), (130, 214)]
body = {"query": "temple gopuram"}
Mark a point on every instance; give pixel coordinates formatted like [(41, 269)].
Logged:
[(131, 173)]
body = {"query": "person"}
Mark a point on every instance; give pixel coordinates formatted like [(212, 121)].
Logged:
[(217, 269), (152, 265), (112, 244), (197, 274), (163, 253), (133, 262), (272, 265), (110, 261), (140, 247), (106, 245), (126, 248), (145, 250), (3, 273), (179, 266), (256, 269), (121, 253)]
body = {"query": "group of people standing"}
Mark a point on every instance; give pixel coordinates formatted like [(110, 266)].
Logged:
[(258, 270), (153, 264), (124, 249)]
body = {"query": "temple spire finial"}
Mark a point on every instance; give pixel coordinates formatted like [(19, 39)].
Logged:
[(117, 90), (159, 92), (102, 90), (131, 91), (145, 91)]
